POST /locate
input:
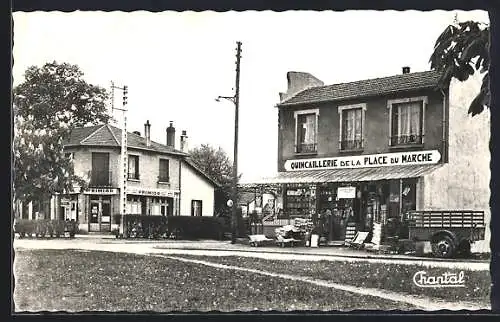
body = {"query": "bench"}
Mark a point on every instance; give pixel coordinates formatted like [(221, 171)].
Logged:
[(286, 241), (258, 240)]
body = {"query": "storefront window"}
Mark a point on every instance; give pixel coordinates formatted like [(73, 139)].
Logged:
[(134, 206), (159, 206), (297, 201)]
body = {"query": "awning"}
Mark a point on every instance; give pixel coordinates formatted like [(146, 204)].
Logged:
[(347, 175)]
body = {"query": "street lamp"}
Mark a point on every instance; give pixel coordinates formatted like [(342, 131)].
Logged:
[(233, 204), (236, 100)]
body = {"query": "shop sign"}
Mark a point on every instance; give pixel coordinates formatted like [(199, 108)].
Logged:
[(149, 192), (365, 161), (346, 192), (101, 191)]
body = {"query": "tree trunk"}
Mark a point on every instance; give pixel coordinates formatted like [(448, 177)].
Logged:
[(16, 213)]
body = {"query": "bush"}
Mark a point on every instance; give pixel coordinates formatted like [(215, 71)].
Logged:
[(44, 227), (197, 227), (188, 227)]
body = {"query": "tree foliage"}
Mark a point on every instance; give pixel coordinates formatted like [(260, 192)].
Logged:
[(51, 101), (215, 163), (459, 52)]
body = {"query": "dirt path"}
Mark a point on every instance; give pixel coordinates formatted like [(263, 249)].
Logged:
[(424, 303)]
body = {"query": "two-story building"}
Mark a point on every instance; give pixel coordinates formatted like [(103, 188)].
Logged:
[(370, 150), (161, 180)]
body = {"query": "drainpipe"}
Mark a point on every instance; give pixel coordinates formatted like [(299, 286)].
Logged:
[(443, 140), (180, 187)]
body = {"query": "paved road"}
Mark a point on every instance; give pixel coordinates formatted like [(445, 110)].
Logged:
[(215, 248), (225, 248)]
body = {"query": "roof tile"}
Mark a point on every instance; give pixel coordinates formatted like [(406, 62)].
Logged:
[(364, 88), (107, 135)]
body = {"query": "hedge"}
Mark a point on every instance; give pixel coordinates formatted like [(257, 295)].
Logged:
[(178, 227), (44, 227)]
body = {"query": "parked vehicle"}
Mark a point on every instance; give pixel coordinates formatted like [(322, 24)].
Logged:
[(450, 232)]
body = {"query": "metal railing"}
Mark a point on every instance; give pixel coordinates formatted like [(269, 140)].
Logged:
[(446, 218), (351, 144), (306, 148), (406, 139)]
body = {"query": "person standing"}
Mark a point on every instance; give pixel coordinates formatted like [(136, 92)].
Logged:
[(337, 218)]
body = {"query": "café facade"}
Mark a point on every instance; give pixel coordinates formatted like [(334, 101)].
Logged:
[(161, 180), (367, 152)]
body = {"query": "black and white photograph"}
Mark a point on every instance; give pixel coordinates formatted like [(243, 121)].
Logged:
[(251, 161)]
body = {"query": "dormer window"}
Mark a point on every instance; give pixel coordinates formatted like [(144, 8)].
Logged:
[(306, 131)]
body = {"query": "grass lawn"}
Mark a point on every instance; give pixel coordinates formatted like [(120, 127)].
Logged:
[(73, 280), (393, 277)]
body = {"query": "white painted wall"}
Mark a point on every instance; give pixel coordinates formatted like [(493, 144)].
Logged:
[(195, 187), (464, 182)]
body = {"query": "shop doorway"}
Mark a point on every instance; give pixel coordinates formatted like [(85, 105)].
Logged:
[(100, 214), (337, 211)]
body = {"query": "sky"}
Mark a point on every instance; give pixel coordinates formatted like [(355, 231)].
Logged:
[(176, 64)]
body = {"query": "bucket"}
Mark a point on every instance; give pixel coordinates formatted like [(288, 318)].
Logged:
[(314, 240)]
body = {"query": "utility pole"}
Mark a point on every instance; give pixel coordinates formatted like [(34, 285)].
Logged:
[(236, 101), (124, 158), (235, 156)]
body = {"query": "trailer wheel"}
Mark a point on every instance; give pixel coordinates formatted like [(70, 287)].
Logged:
[(443, 247), (464, 249)]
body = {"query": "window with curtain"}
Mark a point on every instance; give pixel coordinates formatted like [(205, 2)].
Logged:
[(352, 129), (134, 205), (133, 167), (306, 133), (196, 207), (407, 123), (159, 206), (164, 173)]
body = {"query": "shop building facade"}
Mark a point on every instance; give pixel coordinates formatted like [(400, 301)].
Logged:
[(369, 151), (161, 180)]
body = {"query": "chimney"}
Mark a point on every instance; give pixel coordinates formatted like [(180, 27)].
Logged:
[(406, 70), (171, 135), (147, 133), (184, 142), (297, 82)]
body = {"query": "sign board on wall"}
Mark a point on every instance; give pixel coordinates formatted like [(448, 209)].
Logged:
[(365, 161), (346, 192), (150, 192), (101, 191)]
